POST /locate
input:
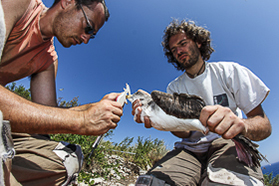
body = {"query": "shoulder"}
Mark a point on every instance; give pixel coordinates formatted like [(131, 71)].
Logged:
[(225, 68), (15, 8), (178, 79), (224, 65), (13, 11)]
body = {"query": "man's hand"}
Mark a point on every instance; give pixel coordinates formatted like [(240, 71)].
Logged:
[(222, 120), (136, 106), (101, 116)]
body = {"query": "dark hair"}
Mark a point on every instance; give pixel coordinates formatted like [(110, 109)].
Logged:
[(196, 33), (88, 3)]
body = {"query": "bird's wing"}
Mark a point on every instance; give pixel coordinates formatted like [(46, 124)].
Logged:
[(183, 106)]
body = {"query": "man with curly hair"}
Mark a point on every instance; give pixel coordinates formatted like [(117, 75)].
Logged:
[(227, 89), (30, 28)]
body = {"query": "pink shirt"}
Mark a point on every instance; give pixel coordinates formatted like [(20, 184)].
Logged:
[(25, 52)]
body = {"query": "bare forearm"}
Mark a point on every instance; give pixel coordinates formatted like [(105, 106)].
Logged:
[(81, 107), (257, 127), (29, 117)]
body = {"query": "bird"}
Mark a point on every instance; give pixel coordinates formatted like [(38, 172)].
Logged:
[(180, 112)]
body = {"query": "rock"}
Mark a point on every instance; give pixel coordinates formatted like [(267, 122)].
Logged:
[(125, 174)]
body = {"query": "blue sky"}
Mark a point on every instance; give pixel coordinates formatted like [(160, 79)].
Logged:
[(128, 50)]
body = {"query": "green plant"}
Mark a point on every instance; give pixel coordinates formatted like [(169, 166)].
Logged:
[(148, 151), (19, 90), (85, 177), (269, 180)]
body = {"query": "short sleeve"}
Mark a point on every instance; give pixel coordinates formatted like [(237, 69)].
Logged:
[(249, 91)]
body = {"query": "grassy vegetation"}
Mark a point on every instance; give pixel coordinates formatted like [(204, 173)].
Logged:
[(143, 153), (269, 180)]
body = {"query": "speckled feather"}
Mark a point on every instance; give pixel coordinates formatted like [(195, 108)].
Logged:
[(179, 105)]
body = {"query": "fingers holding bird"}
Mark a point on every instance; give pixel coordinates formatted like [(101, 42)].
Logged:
[(137, 110), (222, 121)]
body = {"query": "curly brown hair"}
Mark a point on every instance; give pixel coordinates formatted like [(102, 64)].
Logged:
[(196, 33)]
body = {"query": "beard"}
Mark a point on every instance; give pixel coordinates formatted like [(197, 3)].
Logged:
[(193, 57), (62, 27)]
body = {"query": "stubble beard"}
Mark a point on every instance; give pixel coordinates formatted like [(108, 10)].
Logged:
[(193, 59), (59, 28)]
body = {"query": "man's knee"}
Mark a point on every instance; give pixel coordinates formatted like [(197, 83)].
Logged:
[(221, 176), (42, 161), (72, 157)]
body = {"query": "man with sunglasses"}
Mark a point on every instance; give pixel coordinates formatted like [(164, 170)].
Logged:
[(29, 51)]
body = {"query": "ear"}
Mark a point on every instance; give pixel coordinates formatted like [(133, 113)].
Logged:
[(66, 3)]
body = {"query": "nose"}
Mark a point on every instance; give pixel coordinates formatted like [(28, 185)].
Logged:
[(179, 50), (85, 38)]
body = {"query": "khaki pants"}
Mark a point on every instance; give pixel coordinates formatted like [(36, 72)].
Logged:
[(35, 163), (38, 160), (9, 178), (42, 162), (182, 167)]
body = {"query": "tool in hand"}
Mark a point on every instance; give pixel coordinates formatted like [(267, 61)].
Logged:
[(122, 99)]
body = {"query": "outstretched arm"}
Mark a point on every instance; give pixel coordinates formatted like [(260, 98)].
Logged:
[(29, 117), (44, 118)]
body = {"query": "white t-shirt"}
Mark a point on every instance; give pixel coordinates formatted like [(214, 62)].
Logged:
[(225, 83)]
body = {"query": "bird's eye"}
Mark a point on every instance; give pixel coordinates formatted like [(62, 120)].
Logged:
[(150, 103)]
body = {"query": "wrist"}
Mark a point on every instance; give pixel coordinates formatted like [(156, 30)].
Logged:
[(76, 121), (245, 130)]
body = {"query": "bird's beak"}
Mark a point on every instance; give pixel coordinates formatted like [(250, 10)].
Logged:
[(128, 91)]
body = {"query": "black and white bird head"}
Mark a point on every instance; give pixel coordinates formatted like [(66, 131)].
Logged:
[(180, 112)]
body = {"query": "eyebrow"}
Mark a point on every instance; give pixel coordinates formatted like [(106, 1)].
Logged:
[(179, 43)]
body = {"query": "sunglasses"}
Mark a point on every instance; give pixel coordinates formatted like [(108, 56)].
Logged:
[(89, 29)]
